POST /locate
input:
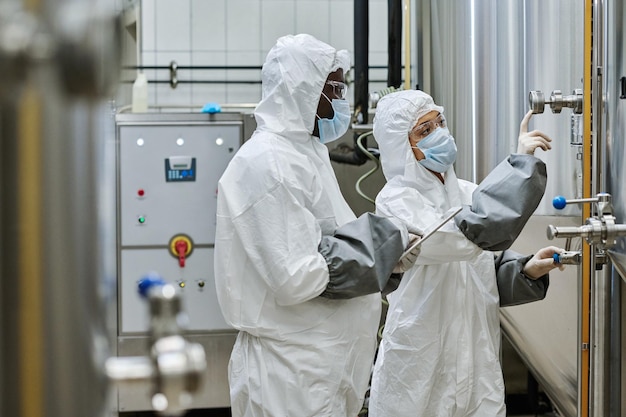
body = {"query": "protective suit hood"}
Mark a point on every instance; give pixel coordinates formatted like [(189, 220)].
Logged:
[(293, 75), (395, 115)]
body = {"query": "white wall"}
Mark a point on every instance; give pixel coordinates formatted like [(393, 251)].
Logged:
[(241, 32)]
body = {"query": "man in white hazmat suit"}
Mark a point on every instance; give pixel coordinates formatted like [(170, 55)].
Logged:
[(296, 273), (439, 354)]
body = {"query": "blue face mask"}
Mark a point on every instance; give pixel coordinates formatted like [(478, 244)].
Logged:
[(333, 129), (439, 150)]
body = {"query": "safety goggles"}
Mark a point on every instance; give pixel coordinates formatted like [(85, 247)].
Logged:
[(422, 130), (339, 89)]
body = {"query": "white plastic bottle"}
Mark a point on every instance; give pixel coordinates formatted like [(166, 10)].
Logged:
[(140, 94)]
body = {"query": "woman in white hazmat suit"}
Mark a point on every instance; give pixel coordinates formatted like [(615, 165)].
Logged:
[(296, 273), (439, 355)]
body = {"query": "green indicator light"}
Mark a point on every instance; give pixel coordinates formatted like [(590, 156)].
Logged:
[(141, 219)]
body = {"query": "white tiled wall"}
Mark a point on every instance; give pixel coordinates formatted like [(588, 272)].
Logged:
[(241, 32)]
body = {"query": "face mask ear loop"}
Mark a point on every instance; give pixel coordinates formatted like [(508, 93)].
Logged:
[(331, 103), (415, 157)]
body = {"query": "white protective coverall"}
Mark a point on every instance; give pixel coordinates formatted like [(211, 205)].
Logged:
[(439, 355), (297, 354)]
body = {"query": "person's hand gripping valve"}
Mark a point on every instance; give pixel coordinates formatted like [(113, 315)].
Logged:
[(408, 259), (527, 141), (543, 262)]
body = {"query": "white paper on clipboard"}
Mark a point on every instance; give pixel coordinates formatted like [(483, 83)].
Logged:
[(449, 215)]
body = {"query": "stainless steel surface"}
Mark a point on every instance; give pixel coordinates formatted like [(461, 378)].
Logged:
[(556, 101), (602, 232), (57, 278), (598, 61), (186, 118), (459, 61), (75, 37), (614, 173), (536, 101), (176, 366), (599, 369), (618, 260), (87, 34), (375, 96), (19, 32), (362, 128), (576, 138), (553, 59), (214, 391), (568, 232), (570, 258)]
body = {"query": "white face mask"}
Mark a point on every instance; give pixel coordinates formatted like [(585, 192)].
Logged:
[(333, 129), (439, 150)]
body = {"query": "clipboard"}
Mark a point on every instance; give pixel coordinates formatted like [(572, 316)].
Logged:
[(449, 215)]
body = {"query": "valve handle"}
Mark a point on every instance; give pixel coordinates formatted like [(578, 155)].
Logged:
[(149, 281), (559, 202), (181, 249)]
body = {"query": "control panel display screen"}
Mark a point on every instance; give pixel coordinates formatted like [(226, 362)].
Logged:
[(180, 168)]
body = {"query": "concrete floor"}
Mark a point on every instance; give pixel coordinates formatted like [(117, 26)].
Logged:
[(518, 383)]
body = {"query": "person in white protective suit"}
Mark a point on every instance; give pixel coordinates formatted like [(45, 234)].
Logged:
[(296, 272), (439, 354)]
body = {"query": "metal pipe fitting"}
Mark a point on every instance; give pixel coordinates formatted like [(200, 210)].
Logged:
[(174, 365), (569, 258), (556, 101)]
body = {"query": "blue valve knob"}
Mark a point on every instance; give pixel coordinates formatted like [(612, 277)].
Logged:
[(557, 258), (559, 202), (149, 281)]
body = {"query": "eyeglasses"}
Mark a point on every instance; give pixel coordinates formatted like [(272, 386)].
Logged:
[(424, 129), (339, 89)]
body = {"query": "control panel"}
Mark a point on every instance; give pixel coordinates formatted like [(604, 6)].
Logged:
[(167, 195)]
